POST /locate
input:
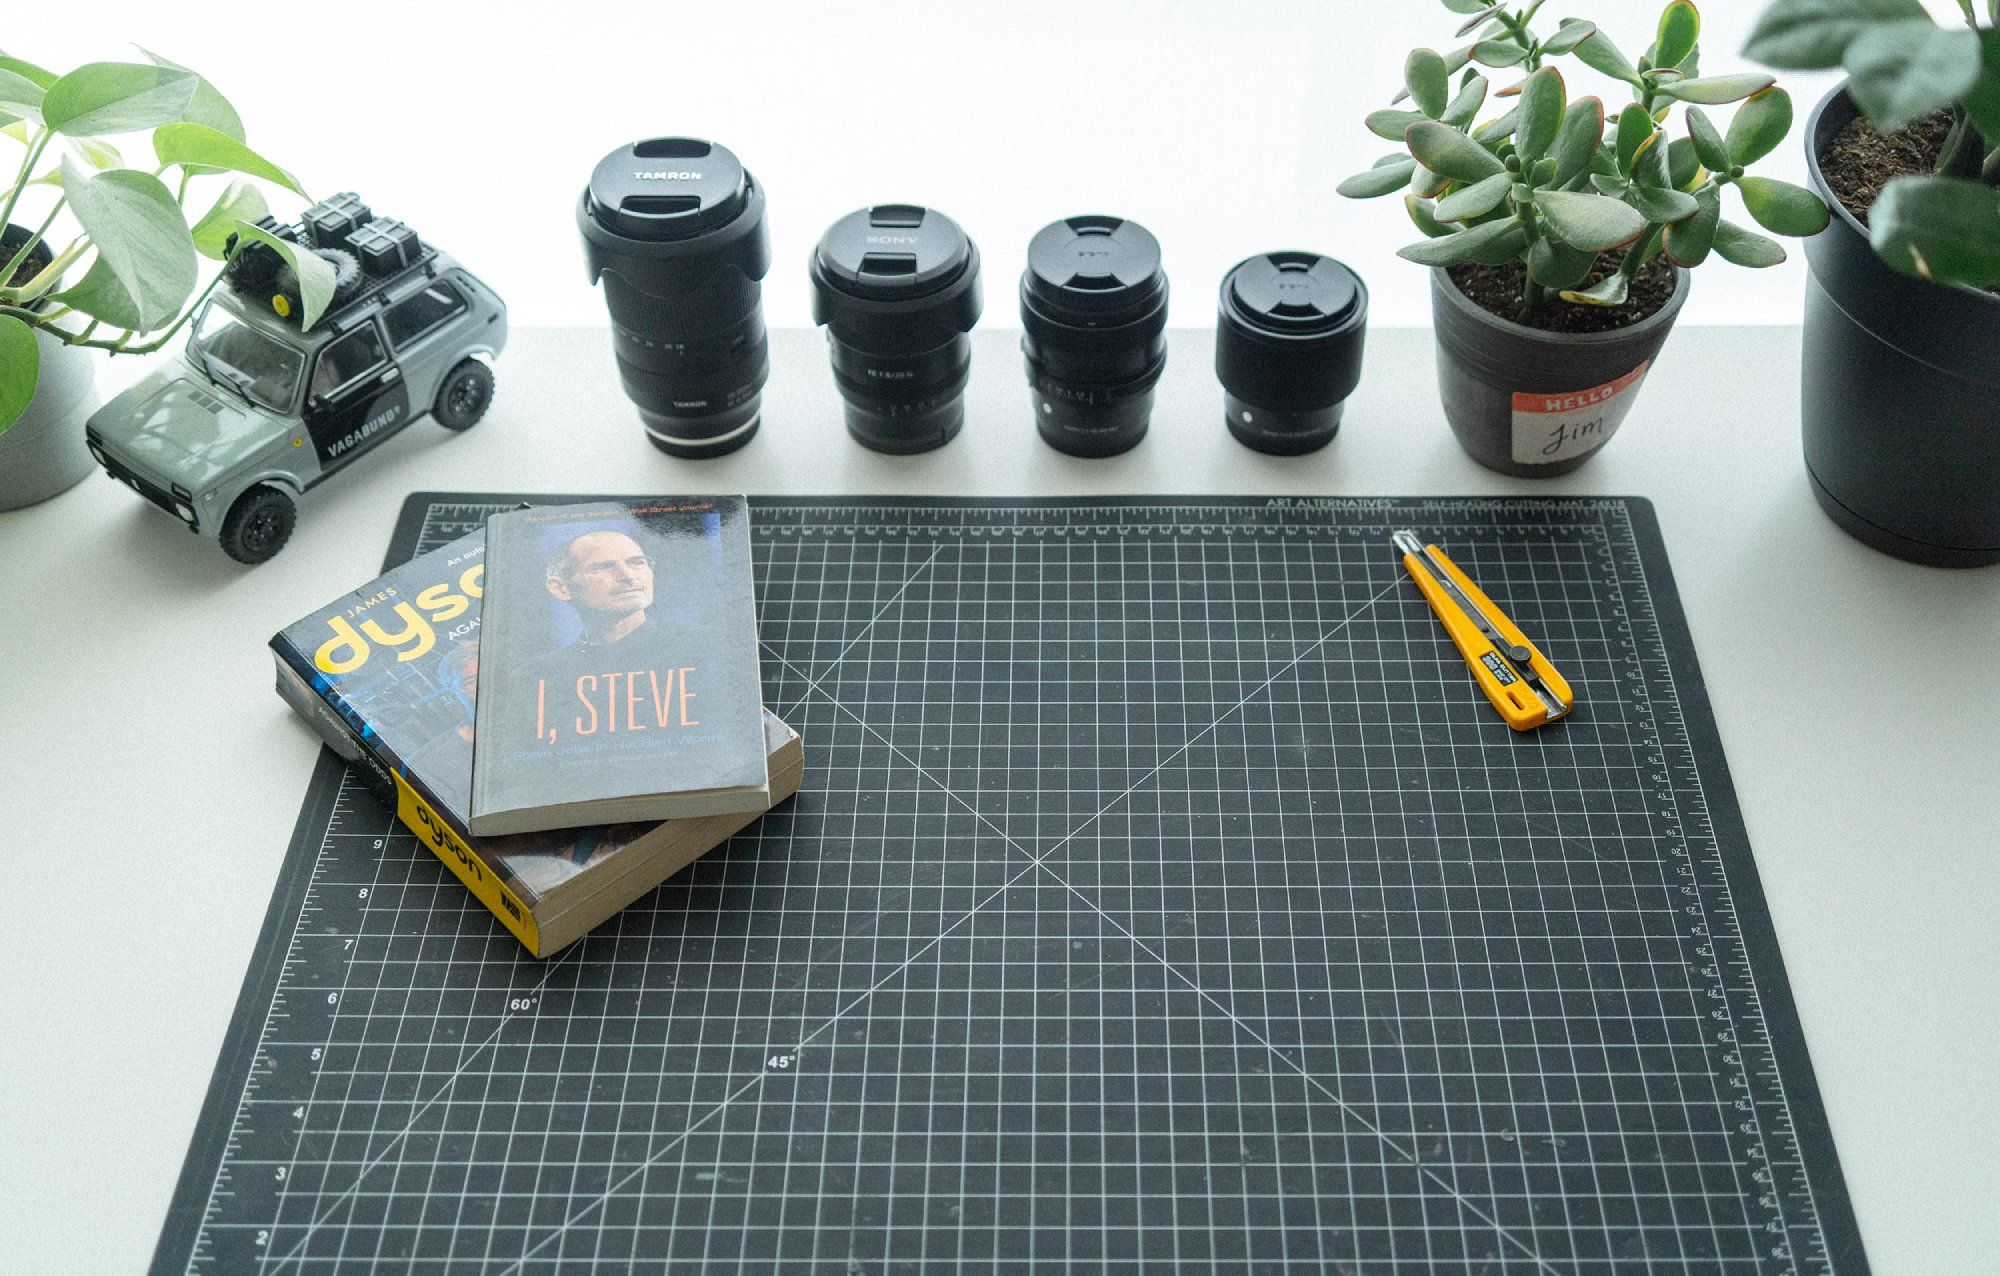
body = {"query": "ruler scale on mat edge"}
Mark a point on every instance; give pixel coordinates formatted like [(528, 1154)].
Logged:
[(230, 1203)]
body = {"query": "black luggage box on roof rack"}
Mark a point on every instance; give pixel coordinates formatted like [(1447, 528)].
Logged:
[(385, 246), (333, 221)]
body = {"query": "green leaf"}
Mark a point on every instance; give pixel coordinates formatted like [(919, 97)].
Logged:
[(1598, 53), (1385, 178), (1760, 124), (1717, 89), (1539, 115), (1663, 205), (1741, 247), (1577, 141), (1782, 207), (1684, 168), (1689, 241), (315, 274), (27, 70), (20, 365), (1590, 222), (1554, 264), (1609, 291), (1475, 200), (1813, 35), (1475, 244), (1462, 108), (1498, 53), (1391, 124), (1982, 101), (20, 97), (1428, 80), (242, 202), (1497, 128), (197, 145), (1469, 6), (1425, 184), (208, 106), (1572, 32), (1424, 214), (1940, 228), (1680, 29), (1709, 147), (145, 266), (1651, 166), (1901, 72), (103, 98), (1634, 127), (1446, 151)]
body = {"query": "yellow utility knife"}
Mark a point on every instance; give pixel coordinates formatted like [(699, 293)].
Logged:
[(1517, 678)]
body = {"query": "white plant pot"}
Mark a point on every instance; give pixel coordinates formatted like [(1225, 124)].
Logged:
[(44, 452)]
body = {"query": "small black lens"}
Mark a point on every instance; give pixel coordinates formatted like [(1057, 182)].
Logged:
[(674, 227), (897, 287), (1288, 349), (1094, 324)]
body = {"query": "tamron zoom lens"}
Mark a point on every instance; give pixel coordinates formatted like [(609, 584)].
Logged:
[(674, 226), (1094, 325), (1288, 349), (897, 287)]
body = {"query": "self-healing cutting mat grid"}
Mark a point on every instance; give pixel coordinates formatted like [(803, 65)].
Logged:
[(1161, 891)]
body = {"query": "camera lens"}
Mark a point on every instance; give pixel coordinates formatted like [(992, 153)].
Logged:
[(1288, 349), (674, 227), (897, 287), (1094, 323)]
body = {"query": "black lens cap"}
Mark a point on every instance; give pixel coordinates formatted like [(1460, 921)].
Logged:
[(891, 252), (1293, 292), (667, 188), (1093, 270)]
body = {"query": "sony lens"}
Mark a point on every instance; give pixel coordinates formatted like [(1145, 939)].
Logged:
[(674, 227), (1288, 349), (897, 287), (1094, 322)]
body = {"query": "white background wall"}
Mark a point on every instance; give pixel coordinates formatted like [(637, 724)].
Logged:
[(1223, 126)]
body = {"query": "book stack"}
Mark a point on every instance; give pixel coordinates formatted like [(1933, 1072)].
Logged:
[(565, 707)]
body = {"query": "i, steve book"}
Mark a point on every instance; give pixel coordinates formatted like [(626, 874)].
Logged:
[(620, 677)]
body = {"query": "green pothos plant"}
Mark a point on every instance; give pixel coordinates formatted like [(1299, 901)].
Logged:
[(124, 241), (1556, 181)]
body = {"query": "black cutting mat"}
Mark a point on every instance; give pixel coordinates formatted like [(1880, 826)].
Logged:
[(1161, 891)]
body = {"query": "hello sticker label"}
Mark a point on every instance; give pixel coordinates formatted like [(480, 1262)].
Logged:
[(1561, 427)]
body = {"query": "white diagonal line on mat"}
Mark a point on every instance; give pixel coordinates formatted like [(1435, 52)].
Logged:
[(1036, 862)]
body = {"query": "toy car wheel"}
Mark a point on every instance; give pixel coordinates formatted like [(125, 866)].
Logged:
[(258, 525), (464, 396)]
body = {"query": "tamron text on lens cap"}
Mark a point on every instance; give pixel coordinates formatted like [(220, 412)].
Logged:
[(897, 287), (1288, 349), (674, 226), (1094, 319)]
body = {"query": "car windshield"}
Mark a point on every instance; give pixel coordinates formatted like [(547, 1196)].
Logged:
[(254, 363)]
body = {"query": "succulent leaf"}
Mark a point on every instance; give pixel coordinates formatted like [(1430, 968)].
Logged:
[(1383, 179), (1609, 291), (1715, 90), (1577, 141), (1689, 241), (1742, 247), (1783, 208), (1467, 245), (1941, 228), (1428, 80), (1446, 151), (1902, 71), (1680, 29), (1539, 116), (1813, 35), (1709, 147), (1475, 200), (1591, 222)]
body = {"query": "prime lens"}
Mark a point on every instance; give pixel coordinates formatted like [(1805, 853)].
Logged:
[(897, 287), (1288, 349), (1094, 330), (674, 227)]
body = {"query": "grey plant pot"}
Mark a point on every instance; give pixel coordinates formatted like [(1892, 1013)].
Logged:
[(44, 452), (1902, 443), (1536, 404)]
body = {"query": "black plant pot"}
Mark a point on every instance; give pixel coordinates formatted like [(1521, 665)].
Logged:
[(1901, 394), (1533, 403)]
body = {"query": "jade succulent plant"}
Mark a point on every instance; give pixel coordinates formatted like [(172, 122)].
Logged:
[(1556, 181), (125, 275), (1903, 66)]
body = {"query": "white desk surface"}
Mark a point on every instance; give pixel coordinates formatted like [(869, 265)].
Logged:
[(149, 777)]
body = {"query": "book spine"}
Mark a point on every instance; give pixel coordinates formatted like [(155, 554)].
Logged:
[(416, 809)]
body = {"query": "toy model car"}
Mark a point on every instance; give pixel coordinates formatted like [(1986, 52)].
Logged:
[(254, 410)]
